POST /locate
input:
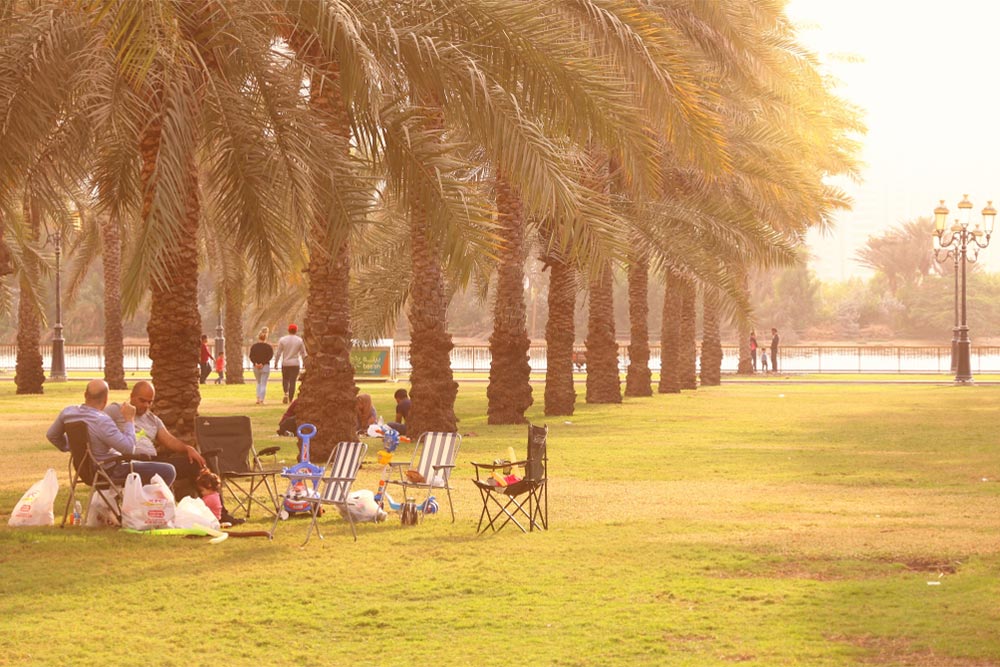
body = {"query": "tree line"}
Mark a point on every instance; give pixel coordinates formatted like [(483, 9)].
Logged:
[(364, 162)]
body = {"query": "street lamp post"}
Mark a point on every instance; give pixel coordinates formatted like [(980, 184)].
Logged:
[(58, 370), (964, 244)]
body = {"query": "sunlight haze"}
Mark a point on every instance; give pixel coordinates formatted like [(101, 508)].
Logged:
[(927, 84)]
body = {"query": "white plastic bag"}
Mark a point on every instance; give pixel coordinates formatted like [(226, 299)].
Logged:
[(145, 507), (362, 506), (100, 514), (193, 512), (35, 506)]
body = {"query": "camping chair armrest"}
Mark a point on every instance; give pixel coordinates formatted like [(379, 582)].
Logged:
[(442, 467), (268, 451), (337, 479), (491, 466), (211, 453)]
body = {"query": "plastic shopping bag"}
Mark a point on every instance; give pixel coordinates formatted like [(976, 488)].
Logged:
[(362, 506), (101, 514), (35, 506), (149, 506), (193, 512)]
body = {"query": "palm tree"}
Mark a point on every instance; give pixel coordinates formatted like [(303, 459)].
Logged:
[(560, 335), (711, 342), (603, 382), (147, 87), (687, 348), (638, 380), (114, 339), (509, 391), (670, 336), (29, 373)]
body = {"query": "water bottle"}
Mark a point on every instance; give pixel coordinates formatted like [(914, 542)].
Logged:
[(77, 513)]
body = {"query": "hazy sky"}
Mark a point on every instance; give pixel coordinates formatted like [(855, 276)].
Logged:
[(929, 85)]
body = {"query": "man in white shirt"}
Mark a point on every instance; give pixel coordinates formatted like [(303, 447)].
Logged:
[(291, 354)]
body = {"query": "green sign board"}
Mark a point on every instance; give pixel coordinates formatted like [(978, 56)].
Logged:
[(370, 361)]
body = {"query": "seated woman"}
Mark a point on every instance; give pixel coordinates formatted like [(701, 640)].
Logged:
[(365, 414)]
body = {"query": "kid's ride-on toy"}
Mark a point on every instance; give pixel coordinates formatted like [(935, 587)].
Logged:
[(295, 499)]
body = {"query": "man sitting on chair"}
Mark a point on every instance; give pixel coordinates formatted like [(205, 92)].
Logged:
[(153, 438), (107, 442)]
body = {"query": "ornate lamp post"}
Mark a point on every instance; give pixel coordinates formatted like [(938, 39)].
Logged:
[(964, 244), (58, 370)]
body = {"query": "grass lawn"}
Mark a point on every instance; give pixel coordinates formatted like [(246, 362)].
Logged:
[(788, 524)]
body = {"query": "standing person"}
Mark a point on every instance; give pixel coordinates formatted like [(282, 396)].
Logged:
[(206, 356), (220, 367), (402, 411), (291, 354), (753, 351), (774, 349), (261, 354)]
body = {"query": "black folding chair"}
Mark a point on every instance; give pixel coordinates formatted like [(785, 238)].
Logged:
[(84, 468), (227, 443), (527, 499)]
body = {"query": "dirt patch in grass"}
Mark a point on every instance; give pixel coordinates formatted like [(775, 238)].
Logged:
[(900, 652), (931, 565)]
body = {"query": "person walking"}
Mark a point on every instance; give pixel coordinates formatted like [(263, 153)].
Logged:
[(753, 351), (206, 356), (774, 349), (291, 354), (261, 354)]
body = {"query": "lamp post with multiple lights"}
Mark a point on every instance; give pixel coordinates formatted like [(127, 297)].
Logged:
[(964, 243)]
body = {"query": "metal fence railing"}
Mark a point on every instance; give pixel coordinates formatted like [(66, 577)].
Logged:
[(476, 358)]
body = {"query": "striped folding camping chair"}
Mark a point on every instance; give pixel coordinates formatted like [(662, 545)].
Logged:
[(430, 468)]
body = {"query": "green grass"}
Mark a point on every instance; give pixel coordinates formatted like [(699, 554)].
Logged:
[(789, 524)]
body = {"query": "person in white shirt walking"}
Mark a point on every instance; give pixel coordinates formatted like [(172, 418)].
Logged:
[(291, 354)]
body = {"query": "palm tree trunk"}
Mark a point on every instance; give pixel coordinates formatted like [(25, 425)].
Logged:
[(670, 334), (745, 366), (329, 392), (688, 343), (509, 390), (29, 372), (174, 326), (560, 335), (114, 346), (711, 341), (6, 266), (638, 380), (603, 380), (234, 325), (433, 387)]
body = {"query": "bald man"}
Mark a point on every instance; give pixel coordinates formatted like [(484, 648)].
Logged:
[(107, 441), (152, 437)]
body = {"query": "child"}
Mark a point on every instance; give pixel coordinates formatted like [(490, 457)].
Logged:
[(763, 359), (220, 366), (208, 488)]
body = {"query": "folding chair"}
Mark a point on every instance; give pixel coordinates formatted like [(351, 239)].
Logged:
[(227, 442), (334, 485), (83, 467), (435, 454), (527, 498)]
